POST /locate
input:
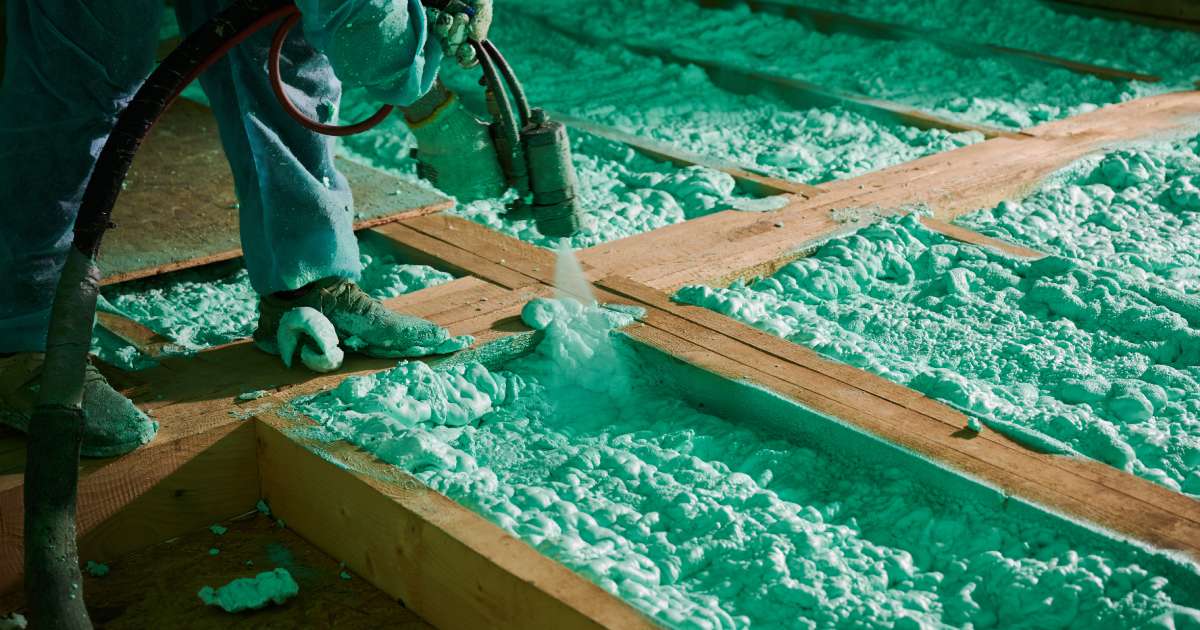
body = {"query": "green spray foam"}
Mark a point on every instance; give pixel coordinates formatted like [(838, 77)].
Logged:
[(1135, 210), (708, 503), (199, 309), (1033, 25), (1059, 356), (992, 90), (265, 589)]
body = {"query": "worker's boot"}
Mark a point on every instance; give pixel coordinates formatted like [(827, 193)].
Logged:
[(456, 154), (112, 425), (362, 322)]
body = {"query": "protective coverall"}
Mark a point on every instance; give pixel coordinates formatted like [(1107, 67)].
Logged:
[(71, 65)]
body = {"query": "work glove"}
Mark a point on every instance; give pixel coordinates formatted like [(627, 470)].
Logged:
[(458, 24)]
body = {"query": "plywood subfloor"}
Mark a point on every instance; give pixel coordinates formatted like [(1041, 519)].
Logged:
[(178, 207)]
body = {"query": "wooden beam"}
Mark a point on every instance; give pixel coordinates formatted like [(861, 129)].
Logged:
[(134, 333), (965, 235), (1172, 14), (446, 563), (833, 22), (1081, 488), (178, 208), (728, 244)]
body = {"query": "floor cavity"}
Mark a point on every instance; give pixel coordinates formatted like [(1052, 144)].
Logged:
[(588, 450)]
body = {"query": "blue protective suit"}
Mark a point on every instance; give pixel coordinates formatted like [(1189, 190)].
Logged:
[(72, 64)]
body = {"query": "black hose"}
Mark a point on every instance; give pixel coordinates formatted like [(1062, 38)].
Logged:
[(52, 577), (514, 86), (508, 121)]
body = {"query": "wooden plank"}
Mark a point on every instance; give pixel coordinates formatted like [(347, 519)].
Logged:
[(446, 563), (421, 248), (134, 333), (965, 235), (1172, 14), (727, 244), (178, 209), (535, 263), (756, 183), (834, 22)]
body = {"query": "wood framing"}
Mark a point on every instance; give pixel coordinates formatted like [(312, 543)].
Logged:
[(201, 467), (1179, 14), (1081, 488), (217, 452)]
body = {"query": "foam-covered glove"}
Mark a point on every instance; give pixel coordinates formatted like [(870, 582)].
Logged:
[(459, 22)]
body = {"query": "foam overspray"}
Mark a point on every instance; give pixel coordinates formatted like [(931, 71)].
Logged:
[(569, 279)]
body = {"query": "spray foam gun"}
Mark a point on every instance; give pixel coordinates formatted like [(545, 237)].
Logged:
[(534, 152)]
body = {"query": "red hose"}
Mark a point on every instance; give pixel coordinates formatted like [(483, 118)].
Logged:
[(292, 16)]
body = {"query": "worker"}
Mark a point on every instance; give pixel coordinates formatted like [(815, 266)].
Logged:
[(71, 65)]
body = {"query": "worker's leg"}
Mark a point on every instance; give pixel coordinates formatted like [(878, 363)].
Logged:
[(71, 66), (296, 210)]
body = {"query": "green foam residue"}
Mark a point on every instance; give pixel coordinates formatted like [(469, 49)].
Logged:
[(590, 452), (988, 89), (1056, 355), (264, 589), (1134, 210)]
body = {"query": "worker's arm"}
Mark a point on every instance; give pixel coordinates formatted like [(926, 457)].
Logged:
[(384, 46)]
